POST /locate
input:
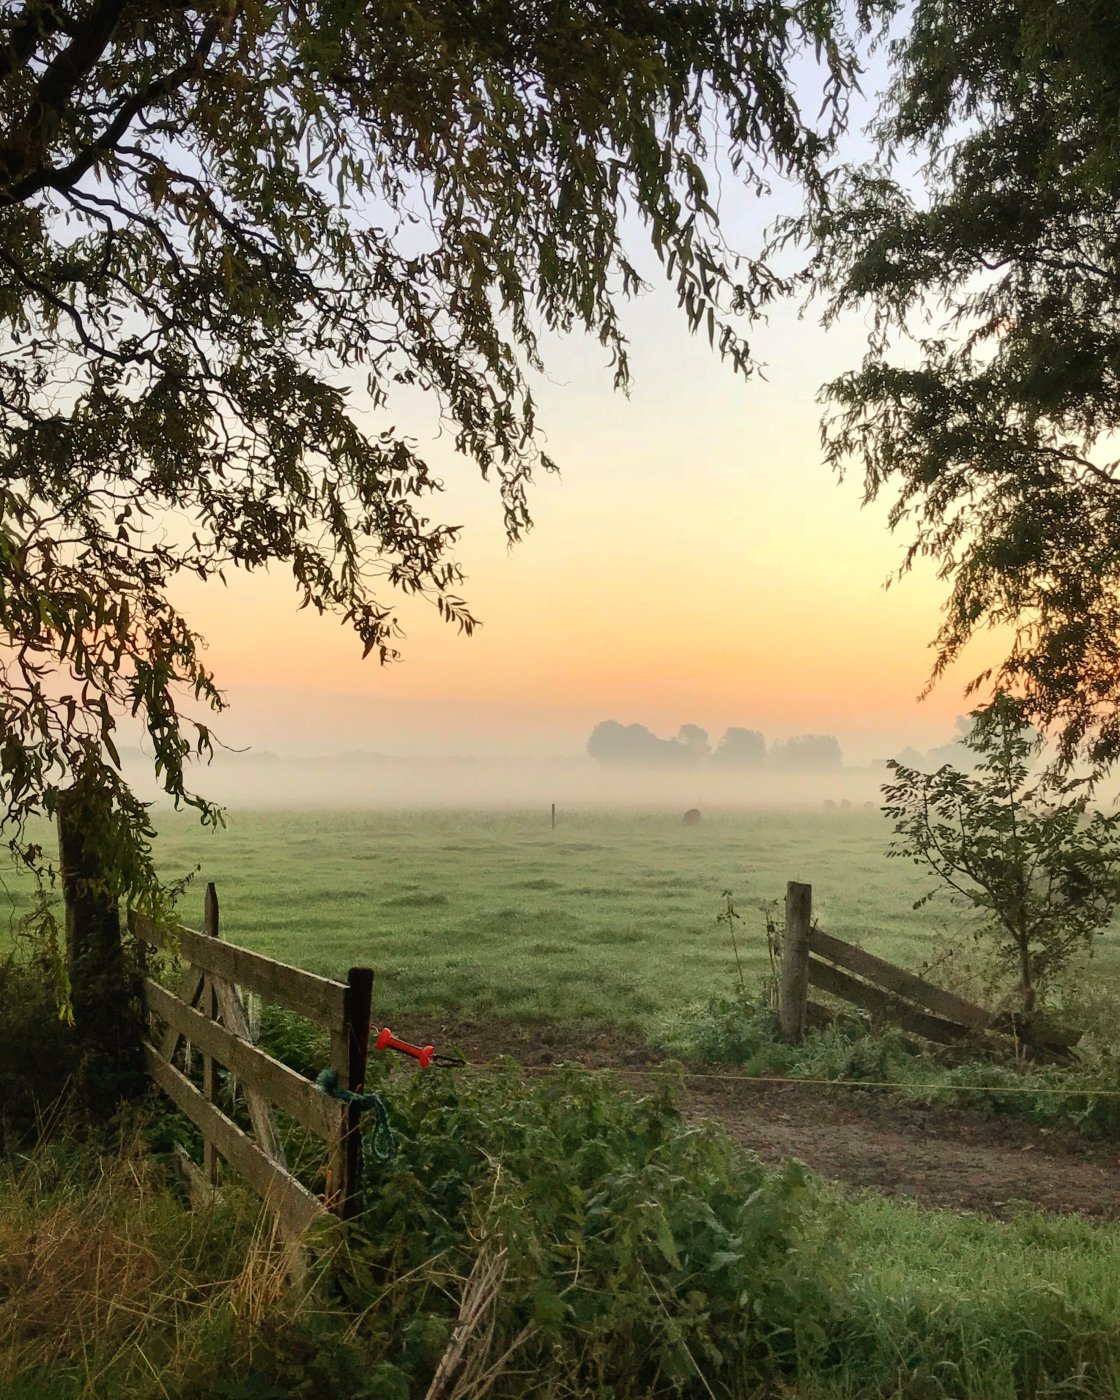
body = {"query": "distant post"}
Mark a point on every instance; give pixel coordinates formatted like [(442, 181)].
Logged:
[(795, 962), (554, 816)]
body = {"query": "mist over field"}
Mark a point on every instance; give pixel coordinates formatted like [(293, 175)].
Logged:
[(360, 779), (625, 765)]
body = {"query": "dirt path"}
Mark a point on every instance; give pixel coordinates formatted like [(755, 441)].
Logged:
[(944, 1157)]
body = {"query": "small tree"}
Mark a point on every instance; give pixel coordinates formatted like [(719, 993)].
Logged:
[(1021, 849)]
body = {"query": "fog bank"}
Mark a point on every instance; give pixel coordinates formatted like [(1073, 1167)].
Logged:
[(367, 780)]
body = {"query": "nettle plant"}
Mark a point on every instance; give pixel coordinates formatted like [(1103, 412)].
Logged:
[(1023, 849)]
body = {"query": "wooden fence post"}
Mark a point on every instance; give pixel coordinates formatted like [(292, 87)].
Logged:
[(209, 1008), (349, 1052), (795, 962)]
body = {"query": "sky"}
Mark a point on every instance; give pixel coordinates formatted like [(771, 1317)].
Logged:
[(694, 563)]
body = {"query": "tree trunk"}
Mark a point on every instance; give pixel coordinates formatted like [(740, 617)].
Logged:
[(104, 992), (1026, 986)]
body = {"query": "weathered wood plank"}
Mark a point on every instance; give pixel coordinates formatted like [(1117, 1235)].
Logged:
[(226, 999), (937, 999), (295, 1206), (320, 999), (260, 1112), (895, 979), (283, 1086), (191, 984), (935, 1028), (209, 1009), (209, 1079), (336, 1162), (201, 1188)]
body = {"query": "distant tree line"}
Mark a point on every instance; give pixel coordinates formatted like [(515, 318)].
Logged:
[(956, 752), (633, 745)]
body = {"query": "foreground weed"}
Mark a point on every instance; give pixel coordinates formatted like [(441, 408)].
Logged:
[(555, 1229)]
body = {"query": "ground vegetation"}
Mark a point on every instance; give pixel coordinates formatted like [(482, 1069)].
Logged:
[(593, 1236)]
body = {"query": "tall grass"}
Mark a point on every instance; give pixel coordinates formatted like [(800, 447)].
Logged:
[(109, 1285), (941, 1305)]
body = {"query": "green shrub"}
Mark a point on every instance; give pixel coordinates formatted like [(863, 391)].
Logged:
[(296, 1041), (638, 1251), (36, 1051), (617, 1250), (740, 1031), (729, 1030)]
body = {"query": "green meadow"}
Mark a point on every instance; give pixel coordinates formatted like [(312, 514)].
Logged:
[(611, 917)]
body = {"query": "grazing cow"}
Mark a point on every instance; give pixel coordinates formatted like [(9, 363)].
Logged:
[(692, 817)]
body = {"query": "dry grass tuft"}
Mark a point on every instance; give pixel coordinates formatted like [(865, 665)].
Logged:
[(263, 1281), (108, 1279), (77, 1267), (468, 1368), (69, 1280)]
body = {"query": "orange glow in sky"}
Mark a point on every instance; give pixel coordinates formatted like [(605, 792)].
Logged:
[(696, 563)]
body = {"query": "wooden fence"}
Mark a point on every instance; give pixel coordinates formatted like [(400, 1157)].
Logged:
[(813, 958), (205, 1011)]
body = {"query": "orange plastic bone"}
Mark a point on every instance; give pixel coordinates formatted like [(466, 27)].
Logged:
[(388, 1041)]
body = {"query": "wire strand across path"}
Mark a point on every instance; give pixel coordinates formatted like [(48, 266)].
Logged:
[(942, 1145), (653, 1072)]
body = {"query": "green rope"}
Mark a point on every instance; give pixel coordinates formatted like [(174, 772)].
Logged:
[(377, 1144)]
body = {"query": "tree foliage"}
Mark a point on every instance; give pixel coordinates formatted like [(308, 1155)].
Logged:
[(234, 235), (695, 740), (1022, 850), (740, 748), (807, 753), (984, 409), (633, 745)]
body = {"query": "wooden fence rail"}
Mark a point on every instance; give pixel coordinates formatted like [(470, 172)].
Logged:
[(205, 1011), (813, 958)]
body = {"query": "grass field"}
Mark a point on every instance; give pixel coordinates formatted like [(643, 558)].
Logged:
[(609, 918)]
